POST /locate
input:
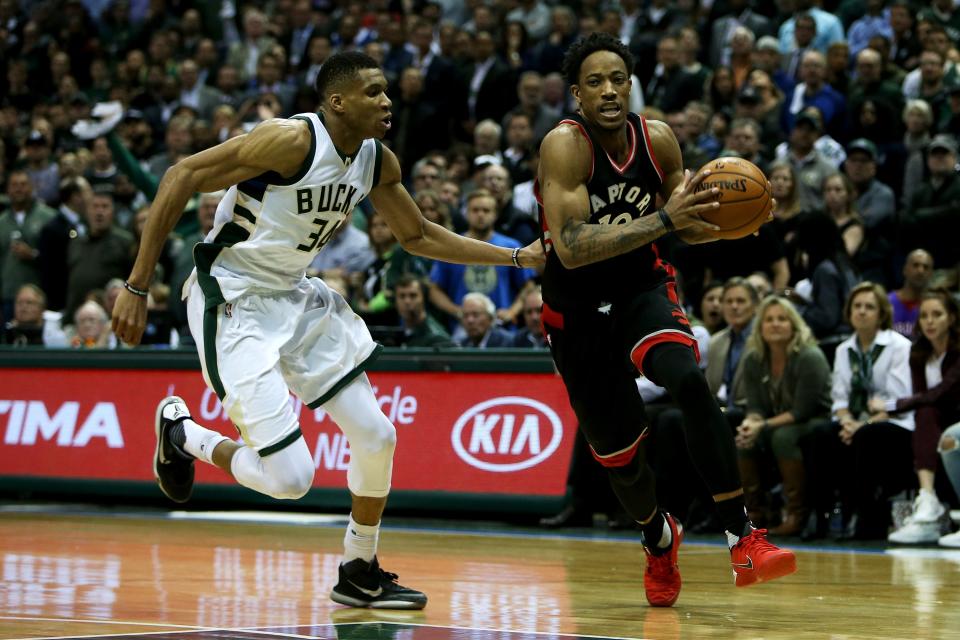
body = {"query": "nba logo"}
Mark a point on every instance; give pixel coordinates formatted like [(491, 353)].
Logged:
[(228, 310)]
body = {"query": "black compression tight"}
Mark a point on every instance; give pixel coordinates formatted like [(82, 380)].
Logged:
[(674, 367)]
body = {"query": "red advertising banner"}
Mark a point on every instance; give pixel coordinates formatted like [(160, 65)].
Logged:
[(486, 433)]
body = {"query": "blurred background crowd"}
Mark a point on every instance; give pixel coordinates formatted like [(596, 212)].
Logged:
[(831, 337)]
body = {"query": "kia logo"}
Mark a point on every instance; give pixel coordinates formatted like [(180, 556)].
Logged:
[(510, 433)]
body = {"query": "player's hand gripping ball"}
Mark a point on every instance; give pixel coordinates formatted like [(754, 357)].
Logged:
[(745, 198)]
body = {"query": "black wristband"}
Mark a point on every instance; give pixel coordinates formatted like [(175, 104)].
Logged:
[(666, 221), (132, 289), (516, 257)]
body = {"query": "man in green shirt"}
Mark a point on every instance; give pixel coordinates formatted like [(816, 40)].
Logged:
[(420, 329), (20, 227)]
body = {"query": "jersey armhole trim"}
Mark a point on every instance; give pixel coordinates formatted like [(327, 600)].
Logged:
[(649, 144), (307, 162), (377, 163)]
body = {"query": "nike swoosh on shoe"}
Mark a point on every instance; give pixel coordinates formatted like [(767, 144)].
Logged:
[(745, 565), (373, 593)]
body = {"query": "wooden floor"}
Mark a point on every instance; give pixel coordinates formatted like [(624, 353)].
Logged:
[(72, 576)]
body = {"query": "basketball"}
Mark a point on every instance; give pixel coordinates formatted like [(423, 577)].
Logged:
[(745, 200)]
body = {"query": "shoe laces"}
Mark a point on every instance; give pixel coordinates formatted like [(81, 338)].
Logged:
[(757, 539)]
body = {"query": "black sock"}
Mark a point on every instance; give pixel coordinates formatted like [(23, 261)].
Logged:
[(733, 516), (652, 534), (177, 435)]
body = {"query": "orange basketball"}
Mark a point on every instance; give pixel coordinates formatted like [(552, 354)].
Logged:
[(745, 200)]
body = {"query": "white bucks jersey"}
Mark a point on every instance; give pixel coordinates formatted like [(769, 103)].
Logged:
[(268, 229)]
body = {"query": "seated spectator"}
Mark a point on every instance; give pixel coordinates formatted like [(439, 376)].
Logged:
[(838, 201), (931, 220), (531, 335), (510, 222), (761, 283), (433, 208), (810, 165), (374, 301), (420, 329), (859, 456), (21, 228), (813, 91), (831, 276), (787, 382), (876, 203), (918, 122), (503, 284), (724, 358), (917, 271), (43, 171), (710, 313), (32, 324), (105, 252), (479, 315), (786, 217), (91, 327), (348, 254), (935, 374)]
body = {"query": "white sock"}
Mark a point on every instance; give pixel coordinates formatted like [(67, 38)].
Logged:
[(201, 441), (732, 539), (360, 541), (666, 538)]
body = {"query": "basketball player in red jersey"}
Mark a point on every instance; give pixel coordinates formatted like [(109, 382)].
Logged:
[(610, 307)]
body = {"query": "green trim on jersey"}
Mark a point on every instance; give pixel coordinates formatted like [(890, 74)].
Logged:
[(282, 444), (377, 163), (244, 213), (204, 254), (210, 320), (307, 162), (347, 379), (346, 159)]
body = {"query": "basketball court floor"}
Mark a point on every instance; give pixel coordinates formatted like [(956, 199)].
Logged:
[(84, 572)]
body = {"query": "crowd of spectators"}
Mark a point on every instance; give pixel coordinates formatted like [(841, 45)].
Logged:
[(851, 107)]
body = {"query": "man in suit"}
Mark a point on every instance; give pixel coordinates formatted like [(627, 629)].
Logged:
[(195, 94), (441, 84), (492, 85), (56, 236), (725, 355), (479, 314), (301, 30), (244, 54), (270, 80), (740, 14)]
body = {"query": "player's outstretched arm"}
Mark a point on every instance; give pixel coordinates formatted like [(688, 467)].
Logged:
[(277, 145), (565, 163), (677, 191), (421, 237)]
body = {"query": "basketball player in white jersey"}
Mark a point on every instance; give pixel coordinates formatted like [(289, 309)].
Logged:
[(263, 329)]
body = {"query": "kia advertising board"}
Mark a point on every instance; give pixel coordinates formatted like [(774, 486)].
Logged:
[(468, 433)]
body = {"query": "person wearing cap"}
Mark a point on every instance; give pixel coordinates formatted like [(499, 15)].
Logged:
[(740, 14), (875, 201), (44, 172), (932, 220), (810, 165)]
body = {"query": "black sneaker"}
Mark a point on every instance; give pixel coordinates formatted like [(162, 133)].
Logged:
[(172, 466), (365, 584)]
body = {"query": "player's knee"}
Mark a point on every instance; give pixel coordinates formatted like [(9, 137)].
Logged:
[(292, 475), (947, 443), (783, 441), (379, 439)]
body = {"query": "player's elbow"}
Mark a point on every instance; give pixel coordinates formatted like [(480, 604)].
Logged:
[(567, 257)]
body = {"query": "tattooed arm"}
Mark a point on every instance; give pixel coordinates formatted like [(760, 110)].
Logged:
[(565, 164)]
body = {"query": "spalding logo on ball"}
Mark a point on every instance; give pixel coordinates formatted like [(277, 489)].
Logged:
[(745, 200)]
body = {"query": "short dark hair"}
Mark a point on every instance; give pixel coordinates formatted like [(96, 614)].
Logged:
[(585, 46), (340, 67), (408, 279)]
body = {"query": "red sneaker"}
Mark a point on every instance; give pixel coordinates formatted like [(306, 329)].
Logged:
[(754, 559), (661, 581)]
